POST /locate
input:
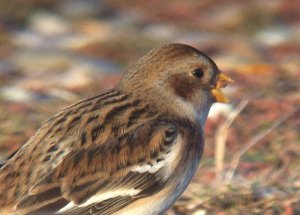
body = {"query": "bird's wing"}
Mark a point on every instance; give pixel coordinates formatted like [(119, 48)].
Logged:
[(103, 178)]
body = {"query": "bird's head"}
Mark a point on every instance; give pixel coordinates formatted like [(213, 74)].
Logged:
[(179, 74)]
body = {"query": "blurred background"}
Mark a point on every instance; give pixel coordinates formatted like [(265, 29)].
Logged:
[(54, 53)]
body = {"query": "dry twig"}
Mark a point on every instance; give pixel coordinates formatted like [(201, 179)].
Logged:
[(221, 138)]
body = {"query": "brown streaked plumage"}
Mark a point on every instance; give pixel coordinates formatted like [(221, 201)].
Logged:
[(133, 149)]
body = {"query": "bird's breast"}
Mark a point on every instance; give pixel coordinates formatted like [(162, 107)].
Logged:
[(183, 172)]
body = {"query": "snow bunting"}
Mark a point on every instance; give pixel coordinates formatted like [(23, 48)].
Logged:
[(130, 150)]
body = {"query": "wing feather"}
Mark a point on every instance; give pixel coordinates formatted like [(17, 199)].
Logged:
[(106, 207), (101, 179)]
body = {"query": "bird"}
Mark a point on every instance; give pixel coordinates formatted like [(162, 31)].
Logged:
[(130, 150)]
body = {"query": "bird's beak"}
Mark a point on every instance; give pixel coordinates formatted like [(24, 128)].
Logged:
[(221, 82)]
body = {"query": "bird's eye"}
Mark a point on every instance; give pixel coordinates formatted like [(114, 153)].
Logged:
[(198, 73)]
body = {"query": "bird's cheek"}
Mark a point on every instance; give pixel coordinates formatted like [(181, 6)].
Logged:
[(182, 87)]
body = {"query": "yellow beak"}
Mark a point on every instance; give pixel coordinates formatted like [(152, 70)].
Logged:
[(222, 82)]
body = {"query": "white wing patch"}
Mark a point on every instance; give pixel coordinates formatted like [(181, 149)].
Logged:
[(97, 198), (151, 168)]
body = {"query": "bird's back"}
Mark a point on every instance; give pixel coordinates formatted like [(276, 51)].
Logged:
[(88, 122)]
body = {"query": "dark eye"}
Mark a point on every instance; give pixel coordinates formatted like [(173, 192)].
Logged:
[(198, 73)]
